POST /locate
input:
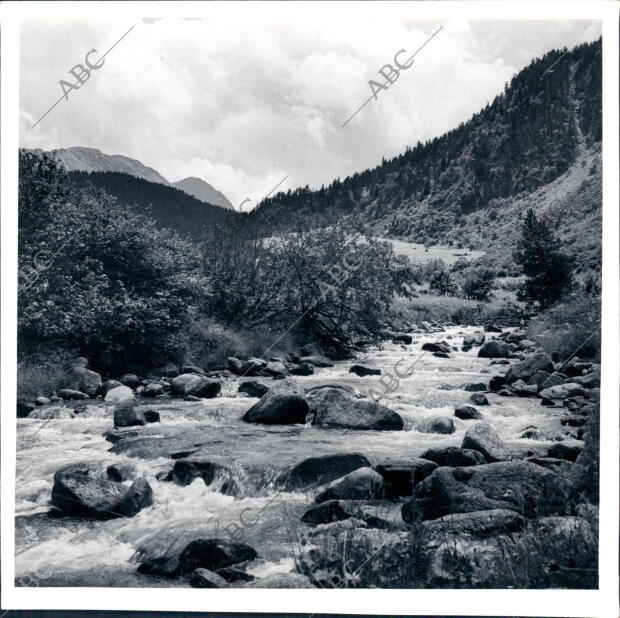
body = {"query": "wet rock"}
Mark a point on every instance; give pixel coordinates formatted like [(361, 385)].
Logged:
[(531, 433), (517, 486), (302, 369), (184, 555), (203, 578), (544, 379), (473, 387), (484, 439), (67, 393), (574, 421), (185, 471), (362, 371), (333, 407), (524, 390), (479, 399), (284, 404), (235, 575), (492, 328), (252, 388), (323, 469), (42, 401), (361, 484), (316, 361), (191, 384), (567, 450), (562, 391), (192, 398), (153, 390), (439, 346), (193, 369), (119, 394), (501, 361), (481, 524), (108, 385), (590, 380), (77, 491), (504, 392), (24, 408), (280, 580), (454, 457), (127, 415), (467, 413), (436, 424), (495, 349), (153, 447), (441, 355), (151, 416), (474, 339), (405, 339), (121, 472), (53, 413), (234, 364), (527, 368), (83, 380), (325, 513), (276, 369), (131, 380), (401, 476)]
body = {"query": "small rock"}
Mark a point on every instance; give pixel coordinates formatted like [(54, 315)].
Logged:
[(126, 415), (362, 371), (131, 380), (474, 387), (323, 469), (153, 390), (568, 450), (108, 385), (562, 391), (303, 369), (119, 394), (361, 484), (454, 457), (467, 413), (42, 401), (252, 388), (151, 416), (495, 349), (436, 424), (67, 393), (441, 355), (479, 399), (195, 385), (405, 339), (317, 361), (203, 578), (483, 438)]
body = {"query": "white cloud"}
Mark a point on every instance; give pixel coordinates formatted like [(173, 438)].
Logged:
[(242, 100)]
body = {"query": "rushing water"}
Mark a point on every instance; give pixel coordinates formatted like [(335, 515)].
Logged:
[(73, 551)]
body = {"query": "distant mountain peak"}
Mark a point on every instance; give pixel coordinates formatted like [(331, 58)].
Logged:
[(203, 191)]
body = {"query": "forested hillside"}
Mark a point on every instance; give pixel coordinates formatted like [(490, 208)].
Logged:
[(527, 137), (169, 207)]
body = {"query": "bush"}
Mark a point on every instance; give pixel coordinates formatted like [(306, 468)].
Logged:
[(41, 374), (479, 284)]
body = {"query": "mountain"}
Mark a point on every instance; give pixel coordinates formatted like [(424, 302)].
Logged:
[(83, 159), (78, 158), (203, 191), (451, 189), (168, 206)]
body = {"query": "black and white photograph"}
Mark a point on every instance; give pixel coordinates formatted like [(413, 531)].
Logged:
[(312, 296)]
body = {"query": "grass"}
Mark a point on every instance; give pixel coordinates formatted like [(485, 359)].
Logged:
[(40, 375)]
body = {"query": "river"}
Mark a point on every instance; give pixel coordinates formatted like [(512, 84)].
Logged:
[(54, 551)]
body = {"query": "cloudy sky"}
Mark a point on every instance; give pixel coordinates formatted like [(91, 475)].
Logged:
[(247, 97)]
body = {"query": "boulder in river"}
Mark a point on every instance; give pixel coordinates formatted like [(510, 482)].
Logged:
[(362, 371), (524, 390), (562, 391), (119, 394), (108, 385), (234, 364), (474, 339), (127, 415), (527, 368), (79, 491), (495, 349), (454, 457), (252, 388), (474, 387), (83, 380), (121, 472), (492, 328), (131, 380), (437, 346), (483, 438), (191, 384), (333, 407), (323, 469), (325, 513), (517, 486), (441, 355), (153, 390), (151, 416), (186, 470), (361, 484), (467, 413), (301, 369), (567, 450), (203, 578), (67, 393), (276, 369), (252, 366), (42, 401), (479, 399), (405, 339), (317, 361), (284, 404), (402, 475), (436, 424)]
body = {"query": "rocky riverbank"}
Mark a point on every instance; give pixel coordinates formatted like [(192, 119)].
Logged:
[(445, 442)]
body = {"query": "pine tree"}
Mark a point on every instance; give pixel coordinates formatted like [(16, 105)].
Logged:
[(547, 269)]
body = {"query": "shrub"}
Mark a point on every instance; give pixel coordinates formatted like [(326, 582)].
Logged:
[(41, 374), (479, 284)]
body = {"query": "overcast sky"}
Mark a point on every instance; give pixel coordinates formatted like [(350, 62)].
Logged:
[(250, 96)]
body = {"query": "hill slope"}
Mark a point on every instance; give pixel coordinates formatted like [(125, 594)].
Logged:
[(203, 191), (539, 128)]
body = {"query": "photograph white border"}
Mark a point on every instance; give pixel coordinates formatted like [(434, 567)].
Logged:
[(602, 602)]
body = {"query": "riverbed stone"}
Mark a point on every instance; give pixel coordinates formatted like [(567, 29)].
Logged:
[(524, 390), (325, 513), (361, 484), (436, 424), (203, 578), (473, 387), (83, 380), (153, 390), (52, 413), (324, 469), (495, 349), (483, 438), (568, 450), (152, 447), (317, 361), (284, 404), (121, 472), (479, 399), (453, 456), (186, 470), (68, 393), (480, 524), (437, 346), (335, 408), (562, 391), (232, 575), (79, 491), (467, 413), (42, 401), (522, 487), (194, 385), (252, 388), (107, 386), (362, 371), (276, 369), (529, 367), (119, 394), (234, 364), (127, 415), (301, 369), (400, 476)]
